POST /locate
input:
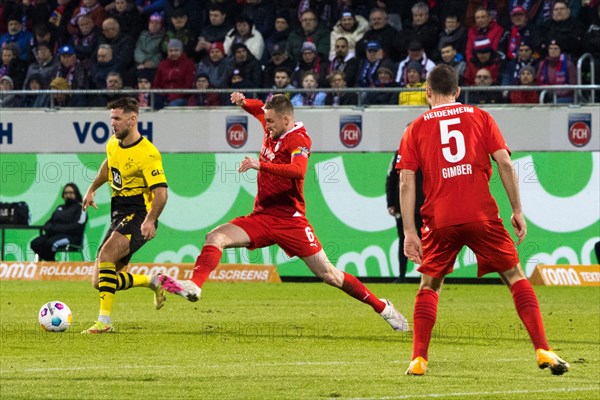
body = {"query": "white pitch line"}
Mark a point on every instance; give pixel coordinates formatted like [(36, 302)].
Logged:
[(477, 394)]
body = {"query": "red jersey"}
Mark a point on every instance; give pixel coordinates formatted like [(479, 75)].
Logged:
[(452, 144), (278, 195)]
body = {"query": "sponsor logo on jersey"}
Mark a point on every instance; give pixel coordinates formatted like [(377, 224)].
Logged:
[(157, 172), (350, 130), (117, 181), (580, 129), (236, 131)]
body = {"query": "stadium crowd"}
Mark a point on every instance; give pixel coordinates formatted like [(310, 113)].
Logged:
[(284, 44)]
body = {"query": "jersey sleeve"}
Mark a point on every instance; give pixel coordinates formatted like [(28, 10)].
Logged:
[(407, 155), (255, 107), (154, 173)]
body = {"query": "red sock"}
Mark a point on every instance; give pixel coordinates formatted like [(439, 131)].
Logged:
[(529, 310), (206, 262), (356, 289), (424, 318)]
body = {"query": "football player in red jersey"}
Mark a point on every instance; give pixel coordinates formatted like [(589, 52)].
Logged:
[(279, 215), (452, 143)]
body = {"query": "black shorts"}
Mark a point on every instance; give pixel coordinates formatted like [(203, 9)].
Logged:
[(128, 224)]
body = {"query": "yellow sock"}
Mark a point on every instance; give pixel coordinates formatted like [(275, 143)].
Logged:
[(107, 284), (125, 280)]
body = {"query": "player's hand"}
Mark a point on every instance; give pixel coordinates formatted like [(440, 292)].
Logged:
[(412, 247), (88, 200), (392, 211), (518, 222), (148, 230), (249, 163), (238, 98)]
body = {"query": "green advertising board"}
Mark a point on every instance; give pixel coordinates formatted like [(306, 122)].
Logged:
[(345, 195)]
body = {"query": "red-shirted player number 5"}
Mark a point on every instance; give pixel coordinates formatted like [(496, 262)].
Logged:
[(459, 139)]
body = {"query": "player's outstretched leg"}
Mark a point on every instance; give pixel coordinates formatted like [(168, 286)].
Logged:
[(181, 288), (528, 309)]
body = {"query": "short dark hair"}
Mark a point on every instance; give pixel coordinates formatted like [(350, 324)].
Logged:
[(284, 70), (442, 80), (280, 104), (128, 104)]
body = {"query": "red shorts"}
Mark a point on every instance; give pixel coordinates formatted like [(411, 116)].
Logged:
[(489, 240), (294, 235)]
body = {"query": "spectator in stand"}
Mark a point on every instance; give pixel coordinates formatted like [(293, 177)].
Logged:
[(148, 54), (238, 82), (454, 59), (310, 80), (391, 41), (422, 28), (416, 52), (282, 83), (565, 29), (394, 10), (484, 56), (214, 31), (91, 8), (385, 79), (367, 71), (557, 69), (344, 61), (145, 77), (215, 65), (350, 27), (310, 61), (527, 76), (113, 83), (591, 38), (181, 31), (520, 31), (281, 32), (12, 66), (485, 27), (34, 12), (128, 17), (484, 78), (204, 99), (245, 32), (75, 73), (250, 68), (414, 80), (8, 100), (512, 68), (337, 80), (497, 10), (87, 40), (454, 33), (42, 33), (326, 12), (61, 100), (123, 47), (17, 35), (34, 101), (149, 7), (46, 64), (104, 64), (60, 16), (279, 59), (177, 71), (310, 30), (262, 12)]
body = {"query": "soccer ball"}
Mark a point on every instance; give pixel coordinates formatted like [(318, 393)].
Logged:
[(55, 316)]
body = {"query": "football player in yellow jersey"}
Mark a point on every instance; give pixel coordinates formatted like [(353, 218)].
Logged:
[(133, 168)]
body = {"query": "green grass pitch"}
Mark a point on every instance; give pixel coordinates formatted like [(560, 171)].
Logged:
[(292, 341)]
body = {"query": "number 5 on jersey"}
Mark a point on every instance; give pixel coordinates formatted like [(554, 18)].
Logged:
[(459, 139)]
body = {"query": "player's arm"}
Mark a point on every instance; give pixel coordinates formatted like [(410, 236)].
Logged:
[(511, 186), (159, 200), (252, 106), (294, 170), (99, 180), (408, 193)]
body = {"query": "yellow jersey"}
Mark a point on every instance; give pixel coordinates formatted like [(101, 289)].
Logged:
[(133, 171)]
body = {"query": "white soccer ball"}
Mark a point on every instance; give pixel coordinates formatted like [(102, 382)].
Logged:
[(55, 316)]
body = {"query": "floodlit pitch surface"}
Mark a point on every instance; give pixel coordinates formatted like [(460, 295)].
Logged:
[(292, 341)]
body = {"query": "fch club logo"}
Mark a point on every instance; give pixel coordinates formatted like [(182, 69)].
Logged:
[(236, 131), (350, 130), (580, 129)]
